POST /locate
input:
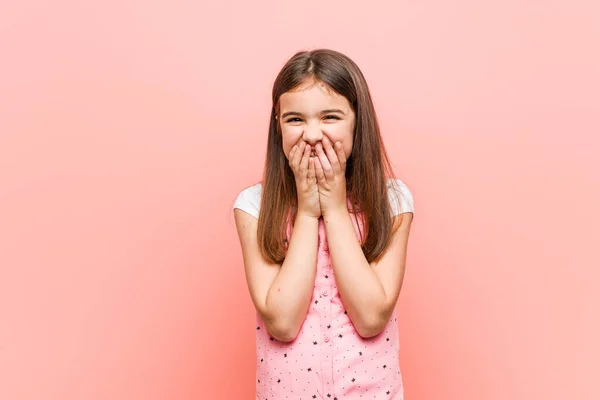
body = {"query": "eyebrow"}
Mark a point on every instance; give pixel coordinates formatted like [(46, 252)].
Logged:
[(331, 110)]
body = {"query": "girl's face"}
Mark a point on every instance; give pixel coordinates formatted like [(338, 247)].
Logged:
[(312, 111)]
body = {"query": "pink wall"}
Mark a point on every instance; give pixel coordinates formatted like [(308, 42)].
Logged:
[(127, 129)]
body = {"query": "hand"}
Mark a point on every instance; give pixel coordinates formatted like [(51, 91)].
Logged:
[(303, 167), (330, 168)]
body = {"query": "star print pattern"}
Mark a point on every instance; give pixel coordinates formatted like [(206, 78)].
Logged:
[(329, 359), (345, 366)]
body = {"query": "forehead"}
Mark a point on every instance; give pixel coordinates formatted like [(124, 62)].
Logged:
[(312, 94)]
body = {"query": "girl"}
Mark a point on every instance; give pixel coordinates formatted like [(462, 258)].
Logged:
[(324, 240)]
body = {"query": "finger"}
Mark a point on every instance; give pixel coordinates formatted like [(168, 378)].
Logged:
[(333, 158), (305, 157), (319, 173), (298, 155), (325, 164), (311, 170), (341, 155), (291, 153)]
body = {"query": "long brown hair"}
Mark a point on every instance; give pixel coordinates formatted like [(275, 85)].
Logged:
[(367, 167)]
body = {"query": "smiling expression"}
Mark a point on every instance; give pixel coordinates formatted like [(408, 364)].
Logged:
[(312, 111)]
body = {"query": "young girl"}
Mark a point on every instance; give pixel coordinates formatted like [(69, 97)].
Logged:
[(324, 240)]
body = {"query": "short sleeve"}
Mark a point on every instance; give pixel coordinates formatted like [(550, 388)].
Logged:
[(249, 200), (400, 196)]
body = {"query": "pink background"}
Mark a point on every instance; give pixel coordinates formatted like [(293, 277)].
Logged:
[(127, 128)]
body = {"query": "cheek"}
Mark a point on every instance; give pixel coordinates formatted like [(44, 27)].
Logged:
[(348, 148), (344, 134), (289, 137)]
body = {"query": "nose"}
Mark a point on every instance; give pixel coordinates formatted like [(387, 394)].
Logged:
[(312, 134)]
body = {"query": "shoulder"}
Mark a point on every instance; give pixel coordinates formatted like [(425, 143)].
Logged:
[(400, 196), (248, 200)]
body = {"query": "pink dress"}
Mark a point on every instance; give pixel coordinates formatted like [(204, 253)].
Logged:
[(329, 360)]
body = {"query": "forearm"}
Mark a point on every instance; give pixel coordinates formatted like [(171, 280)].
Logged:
[(360, 289), (290, 293)]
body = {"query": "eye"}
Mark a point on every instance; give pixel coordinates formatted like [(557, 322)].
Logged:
[(332, 117), (293, 119)]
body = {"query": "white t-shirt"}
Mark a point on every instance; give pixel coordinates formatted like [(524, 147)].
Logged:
[(401, 199)]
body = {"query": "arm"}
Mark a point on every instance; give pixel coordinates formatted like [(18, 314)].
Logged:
[(369, 291), (281, 293)]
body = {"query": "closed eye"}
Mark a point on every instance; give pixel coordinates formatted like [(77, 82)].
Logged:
[(297, 119)]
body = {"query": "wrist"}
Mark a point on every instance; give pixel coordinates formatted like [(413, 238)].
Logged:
[(303, 215), (336, 212)]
